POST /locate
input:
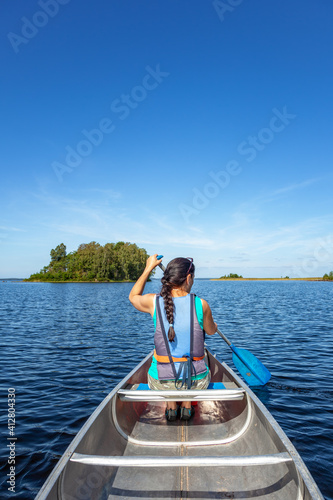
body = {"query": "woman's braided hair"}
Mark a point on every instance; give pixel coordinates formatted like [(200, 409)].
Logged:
[(175, 275)]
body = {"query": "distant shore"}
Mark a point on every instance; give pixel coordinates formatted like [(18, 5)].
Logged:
[(76, 281), (267, 279), (26, 280)]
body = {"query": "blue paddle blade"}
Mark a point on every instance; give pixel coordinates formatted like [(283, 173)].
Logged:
[(251, 369)]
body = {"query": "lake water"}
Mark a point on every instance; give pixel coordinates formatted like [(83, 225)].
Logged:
[(65, 346)]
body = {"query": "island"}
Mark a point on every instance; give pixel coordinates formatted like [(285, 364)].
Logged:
[(92, 262), (232, 277)]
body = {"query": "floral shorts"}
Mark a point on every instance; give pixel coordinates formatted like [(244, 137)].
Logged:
[(169, 385)]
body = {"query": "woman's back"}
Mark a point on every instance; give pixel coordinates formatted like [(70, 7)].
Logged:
[(181, 320), (188, 341)]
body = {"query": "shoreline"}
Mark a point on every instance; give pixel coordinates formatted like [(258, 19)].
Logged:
[(75, 281), (18, 280), (267, 279)]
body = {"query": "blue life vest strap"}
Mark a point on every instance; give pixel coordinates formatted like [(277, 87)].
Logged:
[(185, 369), (159, 315)]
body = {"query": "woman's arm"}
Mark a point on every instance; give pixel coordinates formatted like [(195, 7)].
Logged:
[(144, 303), (209, 326)]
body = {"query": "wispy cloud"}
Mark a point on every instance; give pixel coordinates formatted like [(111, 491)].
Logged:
[(250, 236), (7, 228), (90, 232), (109, 194), (294, 187), (185, 240), (268, 234), (288, 189), (264, 240), (247, 244)]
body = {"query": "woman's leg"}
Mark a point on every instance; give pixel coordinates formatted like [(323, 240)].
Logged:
[(157, 385), (200, 385)]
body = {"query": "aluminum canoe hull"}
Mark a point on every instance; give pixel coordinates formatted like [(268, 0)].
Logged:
[(232, 448)]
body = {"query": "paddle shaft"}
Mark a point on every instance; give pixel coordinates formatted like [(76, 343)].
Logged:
[(224, 337), (162, 267)]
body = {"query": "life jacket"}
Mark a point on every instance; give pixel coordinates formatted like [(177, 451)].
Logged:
[(170, 361)]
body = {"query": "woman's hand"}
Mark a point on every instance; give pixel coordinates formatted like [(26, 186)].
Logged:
[(152, 262), (144, 303)]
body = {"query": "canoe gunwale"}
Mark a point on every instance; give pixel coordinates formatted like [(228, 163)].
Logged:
[(302, 471), (56, 472), (287, 452)]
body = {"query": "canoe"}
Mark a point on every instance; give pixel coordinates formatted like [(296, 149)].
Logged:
[(231, 448)]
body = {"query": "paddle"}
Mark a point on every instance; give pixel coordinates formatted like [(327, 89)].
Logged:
[(160, 264), (251, 369)]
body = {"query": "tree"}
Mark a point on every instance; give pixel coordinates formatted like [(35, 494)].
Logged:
[(93, 262), (231, 275), (58, 253)]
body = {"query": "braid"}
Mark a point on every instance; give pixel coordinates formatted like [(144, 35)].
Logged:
[(168, 306), (175, 275)]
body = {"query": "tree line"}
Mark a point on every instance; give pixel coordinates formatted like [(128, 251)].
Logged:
[(94, 262), (328, 277), (231, 275)]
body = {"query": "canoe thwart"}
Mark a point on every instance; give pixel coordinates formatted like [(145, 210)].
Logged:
[(174, 395), (182, 461)]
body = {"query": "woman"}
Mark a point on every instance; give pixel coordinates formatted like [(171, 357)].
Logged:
[(181, 320)]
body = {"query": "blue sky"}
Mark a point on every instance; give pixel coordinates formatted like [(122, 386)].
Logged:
[(194, 128)]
